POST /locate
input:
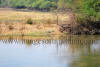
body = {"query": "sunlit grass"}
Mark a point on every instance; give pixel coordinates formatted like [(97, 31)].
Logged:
[(19, 16), (42, 22)]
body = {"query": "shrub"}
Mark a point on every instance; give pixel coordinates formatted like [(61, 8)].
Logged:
[(29, 21)]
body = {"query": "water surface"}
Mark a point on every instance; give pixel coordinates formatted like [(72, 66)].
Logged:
[(62, 51)]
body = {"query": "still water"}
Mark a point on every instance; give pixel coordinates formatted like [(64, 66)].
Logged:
[(62, 51)]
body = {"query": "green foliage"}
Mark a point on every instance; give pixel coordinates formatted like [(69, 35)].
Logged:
[(38, 4), (90, 7), (46, 4)]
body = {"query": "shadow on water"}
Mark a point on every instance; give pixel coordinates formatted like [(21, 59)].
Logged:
[(76, 51)]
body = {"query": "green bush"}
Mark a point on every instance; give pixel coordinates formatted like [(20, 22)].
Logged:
[(29, 21)]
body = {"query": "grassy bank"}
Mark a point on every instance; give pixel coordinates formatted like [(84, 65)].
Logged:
[(26, 22), (15, 22)]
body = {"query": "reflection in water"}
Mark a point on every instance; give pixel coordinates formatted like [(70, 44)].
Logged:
[(64, 51)]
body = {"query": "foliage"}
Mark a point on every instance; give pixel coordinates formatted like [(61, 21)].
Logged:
[(38, 4)]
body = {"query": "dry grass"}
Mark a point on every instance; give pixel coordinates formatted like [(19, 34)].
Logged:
[(10, 15), (13, 22), (22, 28)]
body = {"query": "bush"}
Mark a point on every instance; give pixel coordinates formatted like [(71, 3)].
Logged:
[(29, 21)]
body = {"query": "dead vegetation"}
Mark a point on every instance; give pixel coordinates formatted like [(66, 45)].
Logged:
[(80, 24)]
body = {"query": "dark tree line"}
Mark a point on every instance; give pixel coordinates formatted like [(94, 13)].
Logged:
[(90, 7)]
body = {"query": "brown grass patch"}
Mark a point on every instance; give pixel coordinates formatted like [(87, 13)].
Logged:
[(13, 22)]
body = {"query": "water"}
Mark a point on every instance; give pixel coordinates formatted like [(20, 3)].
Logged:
[(62, 51)]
